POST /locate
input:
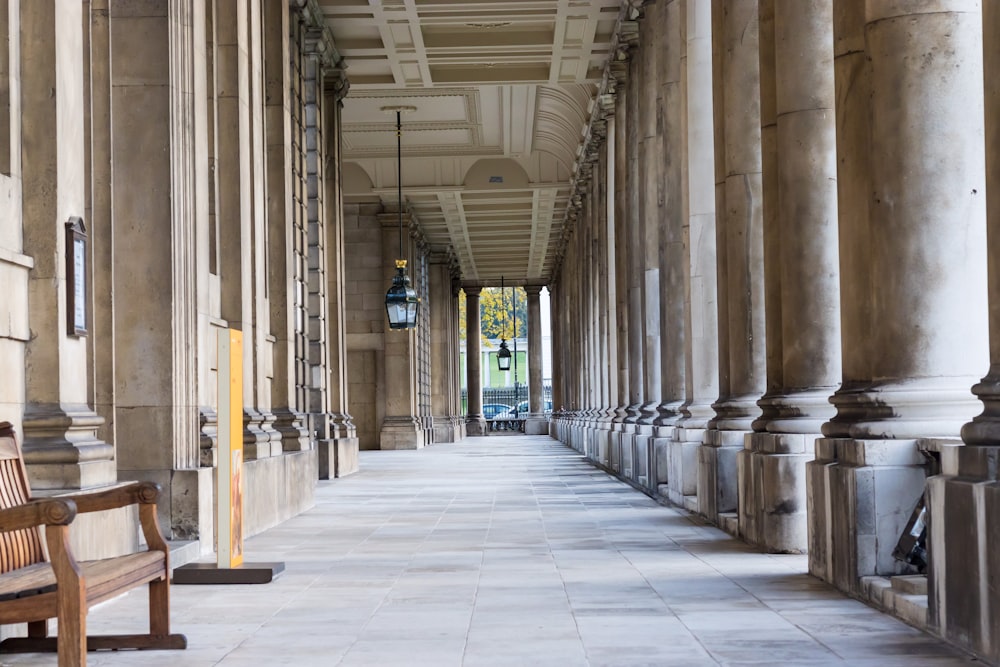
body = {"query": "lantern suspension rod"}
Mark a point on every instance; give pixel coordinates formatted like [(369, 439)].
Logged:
[(399, 176)]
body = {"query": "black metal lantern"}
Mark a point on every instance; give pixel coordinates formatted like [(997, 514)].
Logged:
[(401, 302), (503, 356)]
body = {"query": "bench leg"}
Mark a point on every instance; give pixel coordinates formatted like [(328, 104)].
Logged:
[(159, 607)]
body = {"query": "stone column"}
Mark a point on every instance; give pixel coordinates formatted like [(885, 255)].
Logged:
[(442, 353), (671, 288), (401, 427), (741, 276), (618, 147), (474, 422), (455, 390), (701, 315), (801, 236), (341, 454), (558, 391), (61, 445), (635, 229), (927, 232), (964, 606), (290, 416), (537, 423)]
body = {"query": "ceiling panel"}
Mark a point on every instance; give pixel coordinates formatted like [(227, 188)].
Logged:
[(503, 91)]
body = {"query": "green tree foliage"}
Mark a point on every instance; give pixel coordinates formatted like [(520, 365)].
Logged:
[(493, 306)]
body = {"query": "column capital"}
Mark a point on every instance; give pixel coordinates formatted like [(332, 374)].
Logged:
[(472, 291), (532, 290)]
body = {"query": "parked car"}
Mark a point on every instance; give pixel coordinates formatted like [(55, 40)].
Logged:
[(522, 411), (491, 410)]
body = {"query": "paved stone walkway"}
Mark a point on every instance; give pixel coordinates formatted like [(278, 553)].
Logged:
[(512, 551)]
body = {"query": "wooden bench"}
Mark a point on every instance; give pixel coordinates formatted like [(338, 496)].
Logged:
[(35, 587)]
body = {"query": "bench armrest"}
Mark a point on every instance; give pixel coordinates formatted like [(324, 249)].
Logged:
[(134, 493), (143, 494), (43, 511)]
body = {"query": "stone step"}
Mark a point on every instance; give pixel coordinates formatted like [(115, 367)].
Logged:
[(910, 584)]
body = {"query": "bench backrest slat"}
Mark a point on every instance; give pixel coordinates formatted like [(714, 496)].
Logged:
[(18, 548)]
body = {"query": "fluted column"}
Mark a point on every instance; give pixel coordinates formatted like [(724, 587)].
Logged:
[(741, 275), (474, 422), (801, 243)]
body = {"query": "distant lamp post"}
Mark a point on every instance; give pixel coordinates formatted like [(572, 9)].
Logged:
[(503, 354), (401, 302)]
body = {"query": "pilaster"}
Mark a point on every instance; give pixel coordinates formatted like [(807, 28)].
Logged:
[(61, 445), (401, 427)]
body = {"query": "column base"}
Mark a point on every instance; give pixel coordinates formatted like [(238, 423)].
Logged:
[(338, 457), (718, 477), (476, 427), (772, 490), (405, 433), (682, 465), (536, 426), (447, 429), (963, 505), (62, 450), (860, 494)]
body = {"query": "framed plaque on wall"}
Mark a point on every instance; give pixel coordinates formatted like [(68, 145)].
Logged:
[(76, 277)]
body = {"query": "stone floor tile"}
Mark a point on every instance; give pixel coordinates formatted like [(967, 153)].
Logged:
[(511, 551)]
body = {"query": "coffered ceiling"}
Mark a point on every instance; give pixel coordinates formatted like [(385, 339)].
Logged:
[(502, 91)]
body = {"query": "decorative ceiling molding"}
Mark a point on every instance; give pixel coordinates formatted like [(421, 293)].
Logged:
[(495, 82)]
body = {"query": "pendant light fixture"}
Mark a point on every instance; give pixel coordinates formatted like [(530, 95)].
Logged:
[(401, 302), (503, 354)]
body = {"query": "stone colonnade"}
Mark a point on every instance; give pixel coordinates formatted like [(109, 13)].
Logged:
[(787, 206), (197, 146)]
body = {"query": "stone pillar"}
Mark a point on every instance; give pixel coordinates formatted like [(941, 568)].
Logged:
[(289, 413), (646, 276), (474, 423), (741, 275), (924, 167), (442, 353), (341, 448), (700, 312), (61, 445), (558, 387), (455, 388), (401, 427), (671, 288), (235, 208), (618, 167), (635, 229), (964, 502), (537, 423), (800, 236)]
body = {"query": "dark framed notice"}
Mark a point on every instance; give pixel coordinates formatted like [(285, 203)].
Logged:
[(76, 277)]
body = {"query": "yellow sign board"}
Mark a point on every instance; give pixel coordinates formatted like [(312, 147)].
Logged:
[(230, 466)]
